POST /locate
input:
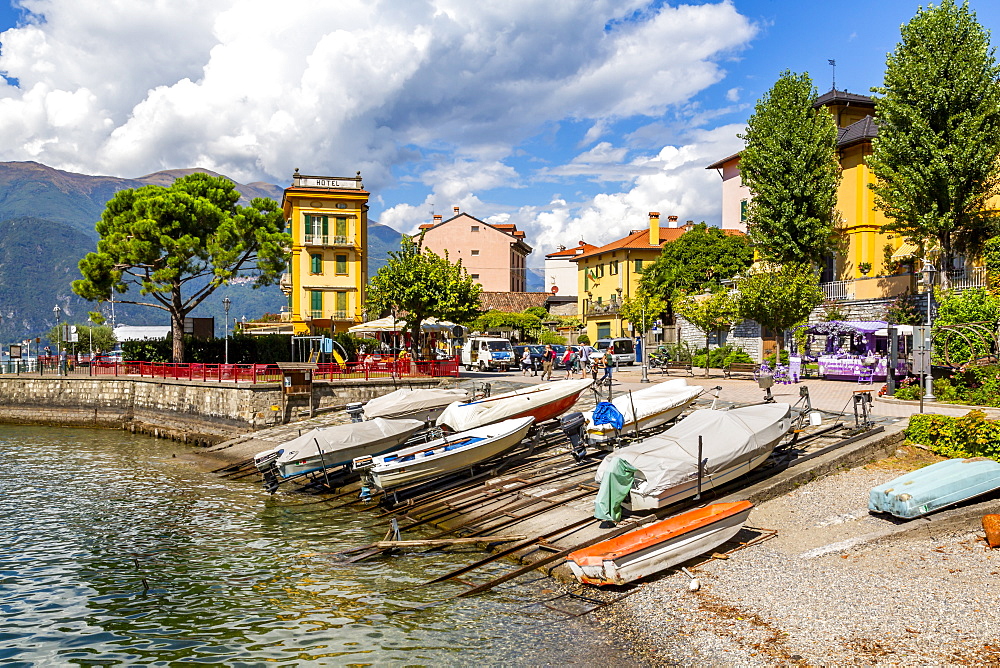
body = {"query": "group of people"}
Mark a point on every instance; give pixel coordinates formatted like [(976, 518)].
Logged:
[(574, 361)]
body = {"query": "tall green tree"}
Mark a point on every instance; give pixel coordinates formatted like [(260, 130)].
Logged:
[(698, 260), (938, 110), (780, 297), (790, 166), (176, 245), (709, 313), (88, 337), (418, 284), (643, 309)]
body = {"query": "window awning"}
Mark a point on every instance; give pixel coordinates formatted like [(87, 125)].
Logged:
[(905, 252)]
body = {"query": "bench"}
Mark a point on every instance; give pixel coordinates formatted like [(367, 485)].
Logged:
[(667, 367), (739, 367)]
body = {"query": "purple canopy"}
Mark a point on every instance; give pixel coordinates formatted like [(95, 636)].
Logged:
[(862, 326)]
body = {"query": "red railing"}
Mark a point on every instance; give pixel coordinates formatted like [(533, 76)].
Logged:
[(270, 373)]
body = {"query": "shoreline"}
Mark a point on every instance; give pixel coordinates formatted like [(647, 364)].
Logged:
[(835, 586)]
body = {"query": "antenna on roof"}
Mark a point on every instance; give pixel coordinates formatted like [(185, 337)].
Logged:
[(833, 66)]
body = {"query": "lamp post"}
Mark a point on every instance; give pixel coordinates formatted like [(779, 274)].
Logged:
[(928, 271), (58, 312), (645, 355), (226, 303)]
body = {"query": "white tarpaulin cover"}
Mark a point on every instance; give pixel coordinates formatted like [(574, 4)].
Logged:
[(390, 324), (652, 400), (402, 402), (729, 438), (461, 417), (339, 443)]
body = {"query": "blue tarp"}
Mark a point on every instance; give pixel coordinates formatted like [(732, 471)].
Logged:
[(606, 413)]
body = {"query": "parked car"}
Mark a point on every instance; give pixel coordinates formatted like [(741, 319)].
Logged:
[(624, 349), (536, 355)]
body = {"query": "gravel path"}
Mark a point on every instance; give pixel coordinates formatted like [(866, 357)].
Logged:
[(835, 586)]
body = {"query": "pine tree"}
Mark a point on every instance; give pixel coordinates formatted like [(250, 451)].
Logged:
[(790, 166), (935, 157)]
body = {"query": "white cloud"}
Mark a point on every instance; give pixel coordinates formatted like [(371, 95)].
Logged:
[(733, 94)]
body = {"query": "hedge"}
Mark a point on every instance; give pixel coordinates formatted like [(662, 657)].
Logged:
[(971, 435)]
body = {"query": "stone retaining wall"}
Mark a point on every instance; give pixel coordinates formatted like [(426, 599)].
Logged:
[(203, 413)]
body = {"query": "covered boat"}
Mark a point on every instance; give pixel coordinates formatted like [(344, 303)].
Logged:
[(542, 402), (659, 546), (936, 486), (330, 447), (734, 442), (654, 406), (446, 455), (420, 404)]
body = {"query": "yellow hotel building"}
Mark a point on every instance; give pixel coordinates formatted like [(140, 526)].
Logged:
[(327, 217)]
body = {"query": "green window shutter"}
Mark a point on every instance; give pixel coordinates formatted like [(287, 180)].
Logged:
[(341, 264), (743, 210), (317, 264), (341, 227), (309, 230), (341, 301), (586, 280), (638, 266), (326, 226), (316, 300)]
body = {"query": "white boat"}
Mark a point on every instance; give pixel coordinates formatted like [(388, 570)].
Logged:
[(421, 404), (734, 442), (542, 402), (330, 447), (659, 546), (445, 455), (654, 406)]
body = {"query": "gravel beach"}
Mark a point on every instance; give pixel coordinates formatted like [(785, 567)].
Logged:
[(834, 586)]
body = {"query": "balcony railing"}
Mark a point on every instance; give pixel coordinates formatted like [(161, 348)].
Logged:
[(341, 315), (604, 309), (966, 279), (328, 240), (837, 290)]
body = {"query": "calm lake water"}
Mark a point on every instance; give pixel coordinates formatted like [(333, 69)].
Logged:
[(235, 577)]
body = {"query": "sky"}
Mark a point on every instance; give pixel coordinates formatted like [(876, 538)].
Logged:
[(572, 119)]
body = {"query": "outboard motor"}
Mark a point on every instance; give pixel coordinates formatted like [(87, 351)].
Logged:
[(356, 411), (574, 425)]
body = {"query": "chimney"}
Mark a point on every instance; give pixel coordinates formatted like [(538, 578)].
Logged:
[(688, 226), (654, 228), (671, 221), (455, 209), (437, 218)]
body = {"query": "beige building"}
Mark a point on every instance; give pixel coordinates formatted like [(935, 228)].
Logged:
[(495, 255)]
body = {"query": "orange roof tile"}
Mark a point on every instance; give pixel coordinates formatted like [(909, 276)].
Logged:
[(582, 247), (511, 302)]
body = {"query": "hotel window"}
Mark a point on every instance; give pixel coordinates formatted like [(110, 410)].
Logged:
[(317, 228), (475, 228), (638, 266), (475, 252), (316, 264), (341, 264), (341, 303), (316, 303), (599, 271), (613, 267), (340, 229)]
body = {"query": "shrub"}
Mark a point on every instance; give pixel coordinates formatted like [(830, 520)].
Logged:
[(971, 435), (784, 359), (583, 340), (719, 357), (909, 390)]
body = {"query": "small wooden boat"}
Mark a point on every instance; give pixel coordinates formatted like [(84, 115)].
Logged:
[(542, 402), (936, 486), (734, 442), (425, 404), (659, 546), (332, 447), (654, 406), (445, 455)]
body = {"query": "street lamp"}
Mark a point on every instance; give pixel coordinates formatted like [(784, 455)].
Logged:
[(226, 303), (928, 271), (57, 311)]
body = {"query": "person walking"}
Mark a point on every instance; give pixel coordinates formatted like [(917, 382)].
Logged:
[(526, 361), (597, 363), (585, 354), (547, 359), (609, 363), (568, 360)]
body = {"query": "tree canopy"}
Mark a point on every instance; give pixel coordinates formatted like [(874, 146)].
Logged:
[(938, 110), (419, 284), (780, 297), (642, 309), (709, 313), (790, 166), (176, 245), (698, 260)]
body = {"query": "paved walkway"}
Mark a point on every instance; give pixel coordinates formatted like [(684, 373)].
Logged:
[(828, 395)]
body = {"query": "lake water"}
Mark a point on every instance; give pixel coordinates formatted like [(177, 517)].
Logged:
[(235, 577)]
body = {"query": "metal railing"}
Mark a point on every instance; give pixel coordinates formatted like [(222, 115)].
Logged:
[(604, 309), (966, 279), (835, 290), (328, 240)]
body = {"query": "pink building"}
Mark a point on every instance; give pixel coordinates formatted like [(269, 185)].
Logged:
[(735, 195), (495, 255)]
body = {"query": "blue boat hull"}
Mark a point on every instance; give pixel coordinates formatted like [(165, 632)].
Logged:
[(934, 487)]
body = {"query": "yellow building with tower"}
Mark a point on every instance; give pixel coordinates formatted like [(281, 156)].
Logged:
[(327, 217)]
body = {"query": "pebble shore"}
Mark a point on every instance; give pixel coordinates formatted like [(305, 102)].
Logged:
[(835, 586)]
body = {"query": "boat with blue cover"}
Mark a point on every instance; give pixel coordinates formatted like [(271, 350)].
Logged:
[(936, 486), (445, 455)]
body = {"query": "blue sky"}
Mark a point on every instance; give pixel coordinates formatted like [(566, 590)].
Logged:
[(572, 119)]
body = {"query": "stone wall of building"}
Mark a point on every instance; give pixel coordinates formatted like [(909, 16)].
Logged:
[(745, 335), (203, 413)]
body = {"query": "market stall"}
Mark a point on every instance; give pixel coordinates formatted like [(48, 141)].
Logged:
[(855, 350)]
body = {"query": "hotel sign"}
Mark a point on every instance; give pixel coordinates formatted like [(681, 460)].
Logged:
[(301, 181)]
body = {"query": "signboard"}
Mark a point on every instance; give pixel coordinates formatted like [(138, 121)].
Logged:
[(922, 336), (15, 352), (326, 182), (921, 361)]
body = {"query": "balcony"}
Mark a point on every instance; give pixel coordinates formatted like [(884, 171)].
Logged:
[(967, 279), (329, 240), (603, 309), (838, 290)]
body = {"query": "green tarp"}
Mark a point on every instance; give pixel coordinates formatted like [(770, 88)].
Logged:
[(614, 488)]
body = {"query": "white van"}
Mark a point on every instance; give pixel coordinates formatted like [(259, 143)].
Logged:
[(487, 353), (624, 349)]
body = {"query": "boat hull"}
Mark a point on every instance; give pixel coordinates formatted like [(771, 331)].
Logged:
[(934, 487), (316, 462), (660, 546), (439, 462), (543, 403), (637, 502)]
